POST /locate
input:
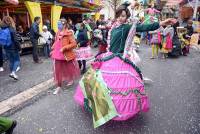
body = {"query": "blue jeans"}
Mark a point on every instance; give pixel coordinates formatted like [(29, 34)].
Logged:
[(47, 50), (14, 59), (1, 56), (143, 35)]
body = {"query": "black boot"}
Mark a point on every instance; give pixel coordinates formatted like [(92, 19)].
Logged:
[(80, 64), (84, 67), (10, 130)]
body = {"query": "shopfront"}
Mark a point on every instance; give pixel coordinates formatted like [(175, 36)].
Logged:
[(24, 11)]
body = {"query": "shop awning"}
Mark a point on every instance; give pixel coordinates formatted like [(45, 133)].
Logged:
[(93, 5), (15, 2), (173, 2), (69, 6)]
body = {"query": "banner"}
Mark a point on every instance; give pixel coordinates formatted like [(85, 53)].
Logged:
[(55, 16), (34, 11), (97, 16)]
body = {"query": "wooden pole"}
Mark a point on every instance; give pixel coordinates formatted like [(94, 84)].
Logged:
[(3, 14), (28, 20), (7, 11)]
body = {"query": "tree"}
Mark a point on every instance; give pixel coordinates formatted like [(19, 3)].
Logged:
[(114, 4)]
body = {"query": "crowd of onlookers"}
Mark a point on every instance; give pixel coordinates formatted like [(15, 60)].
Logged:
[(43, 39)]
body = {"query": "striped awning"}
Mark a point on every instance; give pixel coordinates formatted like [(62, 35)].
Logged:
[(173, 2), (15, 2)]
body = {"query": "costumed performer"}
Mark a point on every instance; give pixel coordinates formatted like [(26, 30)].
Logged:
[(113, 88)]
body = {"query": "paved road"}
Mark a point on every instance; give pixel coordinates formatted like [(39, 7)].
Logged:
[(30, 75), (174, 96)]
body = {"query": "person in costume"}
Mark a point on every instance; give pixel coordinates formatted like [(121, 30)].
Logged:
[(151, 14), (138, 11), (7, 125), (150, 17), (167, 45), (156, 41), (188, 35), (65, 66), (113, 87), (83, 53), (185, 39), (102, 42), (137, 14), (137, 41)]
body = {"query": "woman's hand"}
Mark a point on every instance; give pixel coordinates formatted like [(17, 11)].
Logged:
[(78, 45), (51, 53), (53, 46), (169, 21)]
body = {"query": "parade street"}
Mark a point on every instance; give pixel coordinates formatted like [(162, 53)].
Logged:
[(174, 101)]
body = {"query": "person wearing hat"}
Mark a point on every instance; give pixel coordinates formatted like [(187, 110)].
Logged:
[(48, 39), (7, 125)]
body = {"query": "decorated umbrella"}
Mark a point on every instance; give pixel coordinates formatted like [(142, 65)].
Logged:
[(15, 2)]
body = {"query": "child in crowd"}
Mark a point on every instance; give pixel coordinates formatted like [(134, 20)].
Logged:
[(83, 53), (167, 46), (156, 41)]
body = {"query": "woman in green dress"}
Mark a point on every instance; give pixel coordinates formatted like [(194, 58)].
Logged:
[(113, 88)]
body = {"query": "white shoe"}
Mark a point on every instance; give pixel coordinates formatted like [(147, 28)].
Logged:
[(147, 79), (57, 90), (18, 68), (1, 69), (14, 76)]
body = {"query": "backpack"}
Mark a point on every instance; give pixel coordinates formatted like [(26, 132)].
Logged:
[(5, 37)]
